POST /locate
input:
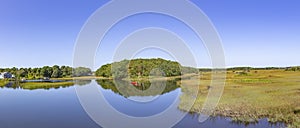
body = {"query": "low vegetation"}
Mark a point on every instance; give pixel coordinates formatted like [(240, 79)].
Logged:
[(49, 72), (272, 94), (3, 83), (44, 85)]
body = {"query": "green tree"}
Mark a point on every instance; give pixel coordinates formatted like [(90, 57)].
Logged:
[(82, 71), (104, 71), (56, 73), (139, 68)]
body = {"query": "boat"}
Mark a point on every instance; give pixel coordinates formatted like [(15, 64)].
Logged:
[(135, 83)]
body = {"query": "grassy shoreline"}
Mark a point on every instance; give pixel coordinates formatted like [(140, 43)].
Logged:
[(2, 83), (272, 94), (45, 85)]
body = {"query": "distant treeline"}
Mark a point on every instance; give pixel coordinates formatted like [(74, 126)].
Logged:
[(47, 71), (295, 68), (142, 68)]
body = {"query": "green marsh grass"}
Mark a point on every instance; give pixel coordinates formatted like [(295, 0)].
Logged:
[(45, 85), (3, 82), (272, 94)]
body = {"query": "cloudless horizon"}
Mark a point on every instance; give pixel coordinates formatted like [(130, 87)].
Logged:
[(255, 33)]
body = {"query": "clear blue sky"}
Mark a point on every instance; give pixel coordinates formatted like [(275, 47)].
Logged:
[(258, 33)]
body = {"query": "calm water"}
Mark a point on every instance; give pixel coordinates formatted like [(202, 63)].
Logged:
[(60, 108)]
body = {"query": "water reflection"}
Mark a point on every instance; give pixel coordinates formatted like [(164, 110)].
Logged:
[(12, 85), (127, 91), (82, 82)]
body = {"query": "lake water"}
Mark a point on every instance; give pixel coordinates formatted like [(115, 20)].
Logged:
[(60, 108)]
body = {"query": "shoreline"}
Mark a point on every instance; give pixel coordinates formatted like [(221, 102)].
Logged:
[(247, 98)]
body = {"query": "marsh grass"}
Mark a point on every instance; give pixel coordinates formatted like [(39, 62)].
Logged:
[(45, 85), (253, 81), (3, 82), (272, 94)]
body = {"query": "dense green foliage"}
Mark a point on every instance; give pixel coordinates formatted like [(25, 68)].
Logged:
[(82, 71), (143, 68), (104, 71), (239, 68), (205, 69), (47, 71)]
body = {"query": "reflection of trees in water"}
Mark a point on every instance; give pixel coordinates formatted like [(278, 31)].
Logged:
[(143, 89), (10, 85), (82, 82)]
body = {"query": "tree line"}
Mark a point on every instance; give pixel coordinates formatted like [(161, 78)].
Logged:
[(150, 67), (47, 71), (143, 68), (295, 68)]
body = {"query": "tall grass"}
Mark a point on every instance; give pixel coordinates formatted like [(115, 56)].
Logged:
[(272, 94)]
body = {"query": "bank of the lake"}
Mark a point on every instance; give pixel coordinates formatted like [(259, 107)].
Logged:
[(271, 94), (3, 83), (35, 85), (45, 85)]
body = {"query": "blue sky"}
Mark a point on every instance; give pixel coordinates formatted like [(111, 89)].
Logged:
[(257, 33)]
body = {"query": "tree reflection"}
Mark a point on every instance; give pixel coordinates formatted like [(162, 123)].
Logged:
[(143, 88)]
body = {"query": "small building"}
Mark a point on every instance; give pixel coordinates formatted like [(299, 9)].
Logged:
[(5, 75), (46, 78)]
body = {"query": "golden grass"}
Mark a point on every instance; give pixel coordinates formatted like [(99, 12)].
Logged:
[(272, 94), (2, 83)]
